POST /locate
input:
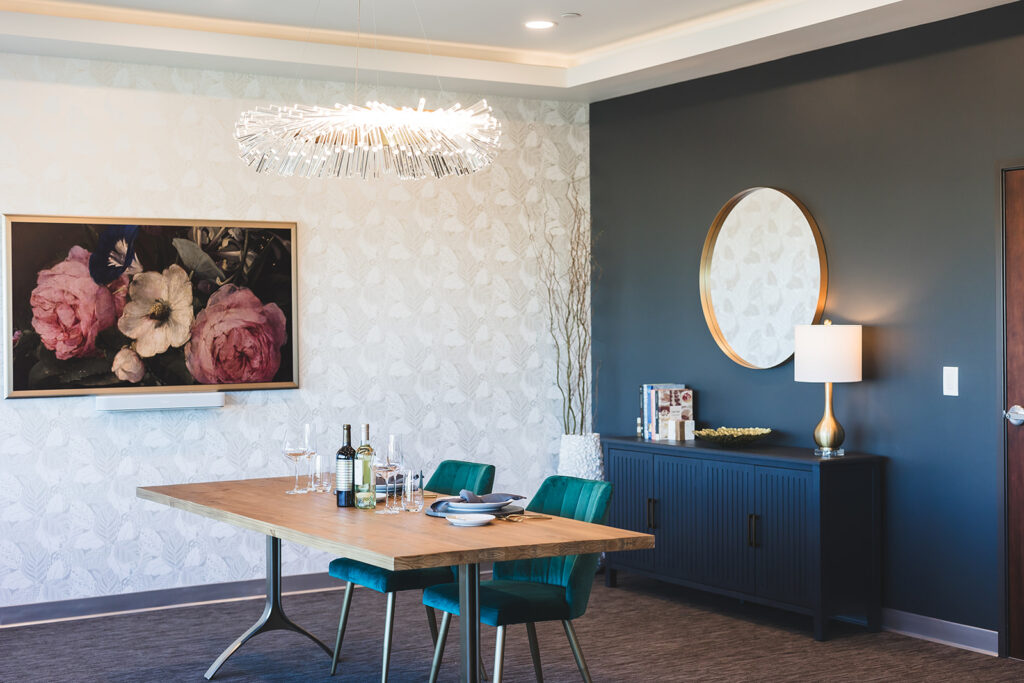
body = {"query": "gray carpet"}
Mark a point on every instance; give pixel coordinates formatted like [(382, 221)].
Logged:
[(642, 631)]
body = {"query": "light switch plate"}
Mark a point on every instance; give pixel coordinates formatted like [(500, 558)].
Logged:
[(950, 381)]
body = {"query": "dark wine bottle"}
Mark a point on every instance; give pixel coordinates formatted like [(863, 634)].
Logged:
[(345, 463)]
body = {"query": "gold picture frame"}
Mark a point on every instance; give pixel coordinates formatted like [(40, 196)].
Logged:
[(239, 278)]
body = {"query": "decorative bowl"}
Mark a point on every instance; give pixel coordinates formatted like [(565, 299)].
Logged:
[(733, 436)]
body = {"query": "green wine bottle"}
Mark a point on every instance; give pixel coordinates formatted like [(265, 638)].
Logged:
[(365, 486)]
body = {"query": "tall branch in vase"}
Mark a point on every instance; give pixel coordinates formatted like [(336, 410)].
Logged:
[(566, 270)]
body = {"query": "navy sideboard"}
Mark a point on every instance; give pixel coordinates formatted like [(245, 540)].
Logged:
[(773, 525)]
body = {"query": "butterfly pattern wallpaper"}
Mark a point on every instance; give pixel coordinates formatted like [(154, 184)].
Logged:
[(419, 311)]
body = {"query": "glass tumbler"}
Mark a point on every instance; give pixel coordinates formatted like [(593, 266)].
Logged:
[(412, 492), (323, 469)]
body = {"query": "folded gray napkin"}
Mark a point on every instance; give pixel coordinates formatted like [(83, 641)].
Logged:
[(441, 504)]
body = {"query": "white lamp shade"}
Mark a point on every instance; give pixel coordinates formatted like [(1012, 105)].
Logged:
[(827, 353)]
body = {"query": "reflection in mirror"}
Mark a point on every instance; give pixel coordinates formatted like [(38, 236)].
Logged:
[(763, 271)]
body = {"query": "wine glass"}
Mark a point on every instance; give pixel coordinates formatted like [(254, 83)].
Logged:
[(294, 449), (319, 481), (387, 467)]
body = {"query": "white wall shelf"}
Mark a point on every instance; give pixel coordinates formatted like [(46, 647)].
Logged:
[(125, 402)]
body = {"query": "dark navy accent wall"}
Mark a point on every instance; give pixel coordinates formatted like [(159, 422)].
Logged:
[(895, 145)]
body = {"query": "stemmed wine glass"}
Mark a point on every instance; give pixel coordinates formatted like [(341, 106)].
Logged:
[(294, 449), (388, 468)]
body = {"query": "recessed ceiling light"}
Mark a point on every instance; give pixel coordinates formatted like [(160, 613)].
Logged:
[(571, 15), (539, 24)]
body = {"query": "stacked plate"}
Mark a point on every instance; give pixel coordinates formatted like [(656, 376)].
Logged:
[(460, 506), (461, 513), (469, 519)]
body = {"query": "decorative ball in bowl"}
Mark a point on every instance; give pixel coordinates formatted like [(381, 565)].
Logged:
[(733, 436)]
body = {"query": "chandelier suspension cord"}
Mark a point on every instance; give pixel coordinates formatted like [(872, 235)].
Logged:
[(359, 39), (430, 52), (373, 17)]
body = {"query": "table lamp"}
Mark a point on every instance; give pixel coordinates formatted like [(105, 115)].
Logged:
[(827, 353)]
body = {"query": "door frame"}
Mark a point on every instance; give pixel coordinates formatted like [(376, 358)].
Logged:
[(1003, 502)]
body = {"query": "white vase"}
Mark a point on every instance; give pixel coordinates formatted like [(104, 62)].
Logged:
[(580, 456)]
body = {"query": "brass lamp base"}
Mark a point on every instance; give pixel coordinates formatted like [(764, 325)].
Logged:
[(829, 433)]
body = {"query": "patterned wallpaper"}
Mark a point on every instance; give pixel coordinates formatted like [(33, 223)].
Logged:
[(419, 303)]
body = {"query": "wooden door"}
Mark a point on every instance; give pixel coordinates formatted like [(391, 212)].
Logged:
[(782, 536), (1013, 199), (632, 504), (678, 517), (728, 526)]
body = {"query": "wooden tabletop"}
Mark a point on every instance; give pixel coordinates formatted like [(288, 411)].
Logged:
[(403, 541)]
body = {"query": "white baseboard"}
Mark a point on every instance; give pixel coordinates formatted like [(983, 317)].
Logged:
[(938, 631)]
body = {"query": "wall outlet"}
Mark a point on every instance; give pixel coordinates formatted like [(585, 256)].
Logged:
[(950, 381)]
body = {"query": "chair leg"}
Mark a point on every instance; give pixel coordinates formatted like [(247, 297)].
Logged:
[(342, 621), (499, 654), (389, 628), (531, 632), (574, 643), (442, 635), (431, 624)]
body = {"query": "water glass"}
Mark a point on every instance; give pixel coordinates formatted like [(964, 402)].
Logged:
[(323, 469), (412, 491)]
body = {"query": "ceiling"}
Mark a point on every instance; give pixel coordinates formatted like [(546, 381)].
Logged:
[(614, 48)]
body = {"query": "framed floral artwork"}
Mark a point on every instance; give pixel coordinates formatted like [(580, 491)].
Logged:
[(112, 305)]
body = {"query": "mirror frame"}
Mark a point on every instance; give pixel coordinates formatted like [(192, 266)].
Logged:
[(705, 273)]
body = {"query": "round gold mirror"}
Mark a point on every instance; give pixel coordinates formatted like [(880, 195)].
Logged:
[(762, 272)]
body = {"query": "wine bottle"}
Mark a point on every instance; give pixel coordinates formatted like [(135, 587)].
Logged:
[(345, 464), (365, 486)]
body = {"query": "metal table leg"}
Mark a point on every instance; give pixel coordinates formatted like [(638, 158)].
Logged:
[(273, 617), (469, 622)]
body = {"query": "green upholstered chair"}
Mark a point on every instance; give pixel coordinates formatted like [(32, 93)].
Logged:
[(451, 477), (543, 589)]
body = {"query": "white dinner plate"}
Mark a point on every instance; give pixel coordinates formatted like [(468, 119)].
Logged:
[(462, 506), (469, 520)]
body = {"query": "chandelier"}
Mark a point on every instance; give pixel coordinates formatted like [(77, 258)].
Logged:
[(350, 141)]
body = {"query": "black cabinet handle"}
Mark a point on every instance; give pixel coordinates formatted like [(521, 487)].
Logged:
[(750, 530), (650, 514)]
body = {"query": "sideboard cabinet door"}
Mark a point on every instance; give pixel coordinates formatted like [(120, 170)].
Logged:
[(783, 536), (678, 516), (632, 505), (728, 526)]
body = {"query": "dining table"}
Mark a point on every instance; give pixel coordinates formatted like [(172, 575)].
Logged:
[(406, 540)]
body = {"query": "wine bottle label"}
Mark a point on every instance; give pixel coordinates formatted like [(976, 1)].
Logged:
[(344, 475), (359, 472)]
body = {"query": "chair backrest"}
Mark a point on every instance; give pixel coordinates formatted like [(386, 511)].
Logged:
[(451, 476), (582, 499)]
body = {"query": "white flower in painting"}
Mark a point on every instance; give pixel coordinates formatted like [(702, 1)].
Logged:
[(159, 314), (128, 366)]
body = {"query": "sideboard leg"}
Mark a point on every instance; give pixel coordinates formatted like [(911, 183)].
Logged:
[(820, 627), (875, 618), (611, 577)]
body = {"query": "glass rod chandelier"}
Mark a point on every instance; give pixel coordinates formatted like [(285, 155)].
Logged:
[(350, 141)]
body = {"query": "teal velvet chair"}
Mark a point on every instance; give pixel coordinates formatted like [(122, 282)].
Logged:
[(543, 589), (451, 477)]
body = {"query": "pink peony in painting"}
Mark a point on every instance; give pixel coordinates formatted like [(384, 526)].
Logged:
[(127, 306)]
